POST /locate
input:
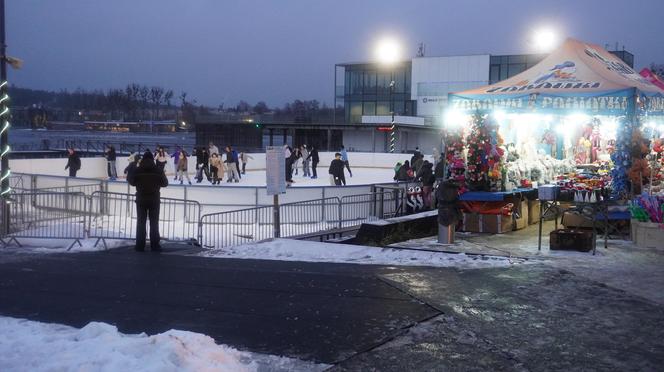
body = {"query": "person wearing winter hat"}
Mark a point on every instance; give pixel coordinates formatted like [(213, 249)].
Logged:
[(148, 180)]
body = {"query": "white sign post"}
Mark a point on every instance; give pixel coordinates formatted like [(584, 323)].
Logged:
[(275, 180)]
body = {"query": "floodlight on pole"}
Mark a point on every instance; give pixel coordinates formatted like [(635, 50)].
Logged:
[(545, 39), (388, 51)]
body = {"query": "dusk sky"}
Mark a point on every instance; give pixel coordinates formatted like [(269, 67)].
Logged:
[(276, 51)]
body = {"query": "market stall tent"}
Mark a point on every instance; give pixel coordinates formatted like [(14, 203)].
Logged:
[(652, 77), (576, 86), (578, 77)]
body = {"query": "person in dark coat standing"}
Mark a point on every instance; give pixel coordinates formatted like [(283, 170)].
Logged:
[(110, 160), (313, 155), (147, 179), (73, 162), (336, 171)]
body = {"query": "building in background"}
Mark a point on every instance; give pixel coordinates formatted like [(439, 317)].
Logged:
[(422, 84)]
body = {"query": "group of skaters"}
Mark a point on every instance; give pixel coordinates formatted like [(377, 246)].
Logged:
[(307, 155), (211, 164), (418, 170)]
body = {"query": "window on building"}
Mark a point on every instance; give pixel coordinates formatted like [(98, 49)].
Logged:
[(383, 108), (383, 82), (370, 82), (356, 112), (369, 108), (399, 107)]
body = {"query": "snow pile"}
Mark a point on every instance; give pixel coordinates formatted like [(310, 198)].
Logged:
[(298, 250), (33, 346)]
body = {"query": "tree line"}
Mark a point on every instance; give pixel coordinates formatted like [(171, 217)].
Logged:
[(141, 102)]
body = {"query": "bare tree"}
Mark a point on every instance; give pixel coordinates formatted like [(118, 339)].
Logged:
[(156, 97)]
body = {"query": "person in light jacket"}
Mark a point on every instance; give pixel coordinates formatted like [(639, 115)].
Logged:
[(182, 166), (161, 158), (306, 172), (244, 158), (217, 169)]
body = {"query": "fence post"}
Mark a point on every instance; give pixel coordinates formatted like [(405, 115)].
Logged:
[(322, 215), (33, 182), (185, 204), (340, 211), (276, 225)]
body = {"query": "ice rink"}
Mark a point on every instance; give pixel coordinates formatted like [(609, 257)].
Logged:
[(361, 176)]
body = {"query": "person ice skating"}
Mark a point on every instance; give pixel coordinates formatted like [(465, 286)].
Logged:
[(344, 158), (313, 155), (236, 159), (217, 169), (336, 171), (110, 155), (202, 164), (306, 171), (133, 160), (297, 155), (176, 161), (148, 179), (161, 158), (73, 162), (244, 158), (183, 159), (231, 166), (288, 159), (212, 149)]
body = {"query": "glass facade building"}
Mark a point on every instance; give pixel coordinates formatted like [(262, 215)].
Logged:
[(364, 89)]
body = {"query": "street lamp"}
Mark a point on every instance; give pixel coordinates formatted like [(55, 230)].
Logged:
[(545, 40), (393, 126), (388, 52)]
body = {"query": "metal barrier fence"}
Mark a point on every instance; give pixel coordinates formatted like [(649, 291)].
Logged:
[(63, 218), (50, 213), (114, 217), (230, 228)]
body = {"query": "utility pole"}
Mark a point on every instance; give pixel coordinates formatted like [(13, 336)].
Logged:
[(393, 126), (4, 125)]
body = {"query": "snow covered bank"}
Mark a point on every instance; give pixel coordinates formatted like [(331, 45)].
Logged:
[(33, 346), (298, 250)]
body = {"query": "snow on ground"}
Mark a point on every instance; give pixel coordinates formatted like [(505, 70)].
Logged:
[(361, 176), (297, 250), (33, 346)]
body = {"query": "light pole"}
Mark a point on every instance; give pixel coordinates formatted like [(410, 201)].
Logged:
[(388, 53), (393, 127), (4, 125)]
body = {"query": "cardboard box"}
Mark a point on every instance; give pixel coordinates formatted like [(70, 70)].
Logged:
[(576, 219), (472, 222), (533, 211), (497, 223), (523, 213), (647, 234)]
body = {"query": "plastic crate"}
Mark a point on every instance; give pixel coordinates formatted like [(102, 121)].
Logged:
[(571, 240)]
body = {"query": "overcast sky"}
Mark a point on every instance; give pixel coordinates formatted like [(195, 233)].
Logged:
[(226, 50)]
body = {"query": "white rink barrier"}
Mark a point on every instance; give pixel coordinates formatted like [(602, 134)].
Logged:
[(95, 167), (211, 199)]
